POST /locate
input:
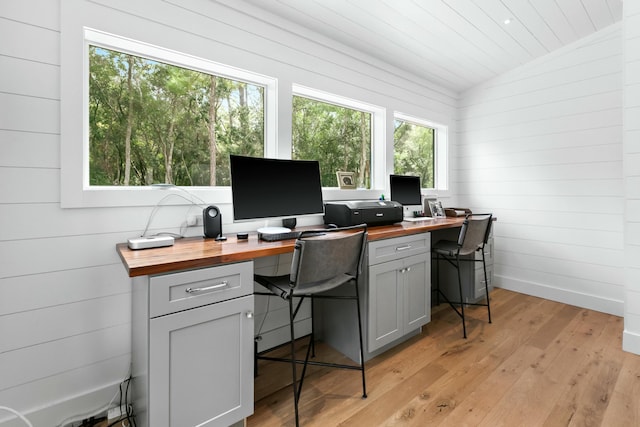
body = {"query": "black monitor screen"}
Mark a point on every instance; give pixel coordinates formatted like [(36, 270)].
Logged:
[(405, 189), (268, 188)]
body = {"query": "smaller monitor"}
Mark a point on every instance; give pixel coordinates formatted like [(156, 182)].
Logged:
[(405, 189)]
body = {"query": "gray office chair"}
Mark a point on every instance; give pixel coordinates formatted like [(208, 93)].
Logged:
[(322, 261), (473, 237)]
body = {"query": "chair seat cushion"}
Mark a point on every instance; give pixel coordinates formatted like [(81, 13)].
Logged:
[(278, 285), (446, 247), (281, 285)]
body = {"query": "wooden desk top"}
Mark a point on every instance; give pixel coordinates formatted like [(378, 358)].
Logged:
[(198, 252)]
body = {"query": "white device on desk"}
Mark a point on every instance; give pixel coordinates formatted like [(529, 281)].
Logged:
[(270, 234), (150, 242), (417, 218)]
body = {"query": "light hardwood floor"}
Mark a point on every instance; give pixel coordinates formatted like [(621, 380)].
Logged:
[(540, 363)]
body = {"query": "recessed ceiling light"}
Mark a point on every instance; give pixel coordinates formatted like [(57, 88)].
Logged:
[(507, 21)]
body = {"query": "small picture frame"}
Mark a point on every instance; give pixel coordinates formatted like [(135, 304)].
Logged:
[(346, 180), (435, 206)]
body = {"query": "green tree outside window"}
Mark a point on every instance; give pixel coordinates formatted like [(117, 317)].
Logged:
[(413, 151), (338, 137), (152, 122)]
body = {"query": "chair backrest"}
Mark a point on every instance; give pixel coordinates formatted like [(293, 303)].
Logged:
[(325, 259), (474, 233)]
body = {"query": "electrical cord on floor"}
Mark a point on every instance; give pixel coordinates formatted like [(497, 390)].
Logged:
[(130, 418), (18, 414), (77, 418)]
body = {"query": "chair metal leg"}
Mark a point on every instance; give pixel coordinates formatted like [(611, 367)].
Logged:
[(297, 383), (364, 385), (255, 358), (464, 327), (313, 329), (486, 285), (437, 279), (293, 362)]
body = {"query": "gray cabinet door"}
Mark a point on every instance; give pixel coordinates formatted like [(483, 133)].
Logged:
[(385, 304), (399, 299), (201, 365), (416, 278)]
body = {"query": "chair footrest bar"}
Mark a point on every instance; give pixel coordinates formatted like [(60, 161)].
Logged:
[(311, 362), (467, 303)]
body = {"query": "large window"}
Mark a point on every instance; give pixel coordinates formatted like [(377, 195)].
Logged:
[(344, 135), (147, 114), (152, 122), (339, 137), (413, 151), (419, 148)]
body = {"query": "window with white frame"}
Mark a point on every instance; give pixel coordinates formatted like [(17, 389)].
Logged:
[(342, 134), (420, 148), (152, 115), (152, 122)]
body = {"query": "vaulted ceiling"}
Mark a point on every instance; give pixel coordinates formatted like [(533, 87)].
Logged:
[(454, 43)]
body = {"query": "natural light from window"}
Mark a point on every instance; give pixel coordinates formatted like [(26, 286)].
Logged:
[(413, 151), (337, 136), (152, 122)]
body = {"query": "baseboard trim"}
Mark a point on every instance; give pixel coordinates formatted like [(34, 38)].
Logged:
[(591, 302), (57, 412), (631, 342)]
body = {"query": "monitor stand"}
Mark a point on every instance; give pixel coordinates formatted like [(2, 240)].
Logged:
[(409, 211)]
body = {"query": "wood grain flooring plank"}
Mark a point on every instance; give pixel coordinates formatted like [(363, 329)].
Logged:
[(540, 363), (623, 408)]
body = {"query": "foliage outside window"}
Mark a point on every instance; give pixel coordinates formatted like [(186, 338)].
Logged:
[(338, 137), (152, 122), (413, 151)]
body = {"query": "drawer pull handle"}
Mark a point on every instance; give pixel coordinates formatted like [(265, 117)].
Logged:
[(405, 270), (208, 288), (403, 248)]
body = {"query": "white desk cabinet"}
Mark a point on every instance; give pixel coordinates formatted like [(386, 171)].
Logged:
[(193, 347)]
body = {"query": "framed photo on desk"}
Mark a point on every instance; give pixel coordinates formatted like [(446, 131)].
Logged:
[(435, 206), (346, 180)]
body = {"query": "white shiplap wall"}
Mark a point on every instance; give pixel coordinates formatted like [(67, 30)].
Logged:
[(64, 295), (631, 40), (541, 147)]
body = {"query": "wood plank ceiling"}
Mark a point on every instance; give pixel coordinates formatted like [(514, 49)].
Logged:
[(454, 43)]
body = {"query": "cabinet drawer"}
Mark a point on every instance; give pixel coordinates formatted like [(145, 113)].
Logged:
[(174, 292), (398, 247)]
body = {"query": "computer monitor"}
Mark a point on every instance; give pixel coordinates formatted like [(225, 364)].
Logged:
[(405, 189), (264, 188)]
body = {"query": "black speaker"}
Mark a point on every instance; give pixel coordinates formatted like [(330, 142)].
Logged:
[(212, 220), (289, 222)]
